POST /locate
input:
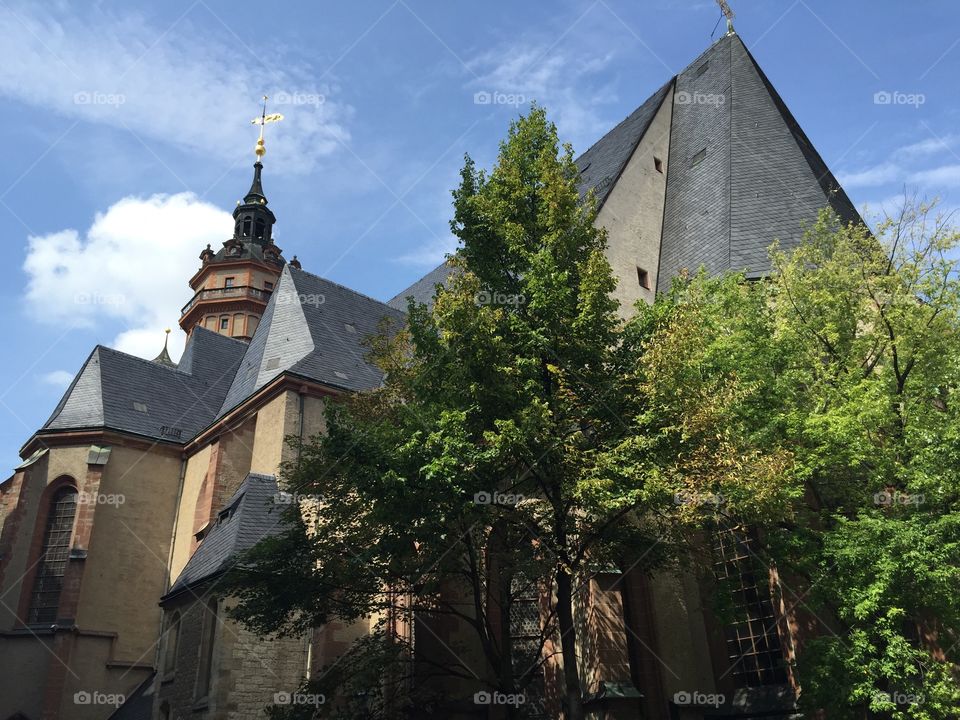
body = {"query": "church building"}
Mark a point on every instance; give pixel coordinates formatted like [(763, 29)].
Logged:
[(150, 476)]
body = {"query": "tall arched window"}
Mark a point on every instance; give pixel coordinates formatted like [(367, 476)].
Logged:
[(171, 643), (45, 599), (205, 667), (753, 640)]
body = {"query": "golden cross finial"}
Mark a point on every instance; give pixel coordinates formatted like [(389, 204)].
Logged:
[(260, 150)]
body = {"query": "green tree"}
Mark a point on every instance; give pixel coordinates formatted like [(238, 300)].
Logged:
[(490, 462), (843, 370)]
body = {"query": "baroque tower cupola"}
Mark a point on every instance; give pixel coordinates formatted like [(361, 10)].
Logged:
[(234, 284)]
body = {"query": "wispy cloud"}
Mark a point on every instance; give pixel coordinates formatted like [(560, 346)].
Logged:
[(170, 84), (904, 165), (430, 254), (559, 78), (57, 378), (872, 176)]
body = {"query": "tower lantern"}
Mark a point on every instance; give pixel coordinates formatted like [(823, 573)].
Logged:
[(233, 284)]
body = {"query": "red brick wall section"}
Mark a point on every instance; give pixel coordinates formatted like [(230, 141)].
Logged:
[(13, 513), (64, 642)]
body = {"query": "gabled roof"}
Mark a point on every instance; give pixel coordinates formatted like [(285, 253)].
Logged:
[(122, 392), (252, 514), (758, 179), (314, 328)]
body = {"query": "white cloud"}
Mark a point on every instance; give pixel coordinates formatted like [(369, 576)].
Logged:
[(556, 77), (131, 266), (930, 146), (943, 176), (430, 254), (901, 167), (58, 378), (871, 177), (196, 89)]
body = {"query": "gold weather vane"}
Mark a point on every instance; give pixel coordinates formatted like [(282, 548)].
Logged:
[(725, 9), (260, 150)]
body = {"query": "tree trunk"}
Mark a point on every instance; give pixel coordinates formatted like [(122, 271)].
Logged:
[(501, 579), (568, 646)]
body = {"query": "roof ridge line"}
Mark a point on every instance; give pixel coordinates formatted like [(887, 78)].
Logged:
[(144, 360), (348, 289)]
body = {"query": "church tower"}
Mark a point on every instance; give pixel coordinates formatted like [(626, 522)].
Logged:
[(233, 285)]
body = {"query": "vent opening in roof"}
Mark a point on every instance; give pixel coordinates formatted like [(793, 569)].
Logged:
[(658, 164), (350, 327), (273, 363), (341, 375), (698, 158), (702, 69), (140, 407)]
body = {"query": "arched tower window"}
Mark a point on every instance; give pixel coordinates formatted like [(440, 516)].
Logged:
[(261, 226), (45, 599), (246, 226)]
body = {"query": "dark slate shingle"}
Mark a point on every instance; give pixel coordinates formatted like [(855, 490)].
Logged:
[(122, 392), (314, 328), (423, 289), (252, 514)]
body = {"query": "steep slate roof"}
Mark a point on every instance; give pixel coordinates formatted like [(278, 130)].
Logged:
[(423, 289), (123, 392), (139, 704), (248, 517), (760, 179), (314, 328)]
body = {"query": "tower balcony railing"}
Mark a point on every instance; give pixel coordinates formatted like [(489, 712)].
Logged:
[(225, 293)]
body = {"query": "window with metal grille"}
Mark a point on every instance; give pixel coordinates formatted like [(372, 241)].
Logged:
[(753, 642), (45, 599), (526, 633)]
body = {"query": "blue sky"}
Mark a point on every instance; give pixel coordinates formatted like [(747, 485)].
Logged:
[(127, 136)]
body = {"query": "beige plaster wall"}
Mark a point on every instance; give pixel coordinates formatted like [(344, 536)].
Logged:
[(633, 214)]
